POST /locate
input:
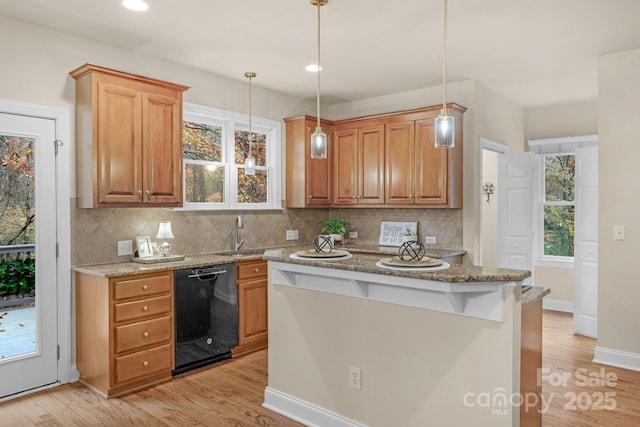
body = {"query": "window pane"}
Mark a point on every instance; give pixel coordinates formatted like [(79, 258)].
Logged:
[(204, 183), (17, 175), (560, 172), (201, 141), (558, 230), (258, 148), (253, 188)]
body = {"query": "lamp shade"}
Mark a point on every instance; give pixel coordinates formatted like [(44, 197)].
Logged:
[(250, 166), (318, 144), (164, 230), (445, 129)]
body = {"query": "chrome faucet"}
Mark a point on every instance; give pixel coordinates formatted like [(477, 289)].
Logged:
[(239, 235)]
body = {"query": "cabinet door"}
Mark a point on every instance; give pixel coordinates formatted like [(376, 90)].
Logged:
[(317, 171), (432, 167), (253, 328), (399, 168), (119, 147), (345, 167), (162, 150), (371, 166)]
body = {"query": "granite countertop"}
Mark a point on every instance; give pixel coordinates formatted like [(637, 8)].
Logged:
[(532, 295), (365, 262), (191, 261), (375, 249)]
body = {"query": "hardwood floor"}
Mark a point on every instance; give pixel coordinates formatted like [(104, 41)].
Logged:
[(582, 400), (231, 394)]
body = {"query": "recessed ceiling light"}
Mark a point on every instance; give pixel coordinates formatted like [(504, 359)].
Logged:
[(313, 68), (137, 5)]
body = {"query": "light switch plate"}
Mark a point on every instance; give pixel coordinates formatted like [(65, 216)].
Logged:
[(292, 234), (430, 239), (618, 232), (353, 234)]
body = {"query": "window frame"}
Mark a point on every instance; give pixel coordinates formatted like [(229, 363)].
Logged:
[(541, 258), (230, 122)]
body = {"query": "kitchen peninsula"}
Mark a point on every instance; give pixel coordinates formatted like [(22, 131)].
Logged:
[(351, 343)]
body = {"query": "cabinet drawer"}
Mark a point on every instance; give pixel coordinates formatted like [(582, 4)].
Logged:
[(144, 308), (250, 270), (143, 363), (142, 286), (142, 334)]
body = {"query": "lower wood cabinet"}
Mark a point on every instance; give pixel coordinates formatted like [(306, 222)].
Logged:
[(531, 362), (252, 307), (124, 331)]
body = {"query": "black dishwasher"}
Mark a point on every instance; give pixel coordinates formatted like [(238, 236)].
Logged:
[(206, 316)]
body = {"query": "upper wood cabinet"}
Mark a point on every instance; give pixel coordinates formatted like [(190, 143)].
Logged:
[(386, 160), (358, 159), (128, 139), (308, 180)]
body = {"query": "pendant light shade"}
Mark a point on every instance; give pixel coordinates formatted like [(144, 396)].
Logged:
[(445, 125), (250, 161), (318, 138)]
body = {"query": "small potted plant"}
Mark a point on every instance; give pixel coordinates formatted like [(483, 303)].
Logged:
[(336, 227)]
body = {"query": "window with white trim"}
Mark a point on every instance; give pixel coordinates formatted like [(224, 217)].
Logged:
[(558, 205), (215, 145)]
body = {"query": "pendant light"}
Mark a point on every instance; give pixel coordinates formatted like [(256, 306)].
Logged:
[(318, 138), (250, 161), (445, 125)]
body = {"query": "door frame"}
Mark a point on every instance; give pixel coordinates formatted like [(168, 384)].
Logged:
[(485, 144), (67, 371)]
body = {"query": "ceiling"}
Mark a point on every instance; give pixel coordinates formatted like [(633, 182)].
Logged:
[(534, 52)]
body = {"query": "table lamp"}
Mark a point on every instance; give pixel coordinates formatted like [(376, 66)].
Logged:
[(164, 232)]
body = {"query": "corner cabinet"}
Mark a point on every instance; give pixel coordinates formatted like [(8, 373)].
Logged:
[(253, 332), (124, 331), (308, 180), (128, 139)]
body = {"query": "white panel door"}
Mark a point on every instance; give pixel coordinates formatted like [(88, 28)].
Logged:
[(585, 288), (515, 177), (29, 338)]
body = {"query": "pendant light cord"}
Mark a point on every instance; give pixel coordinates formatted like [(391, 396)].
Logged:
[(250, 133), (318, 77), (444, 63)]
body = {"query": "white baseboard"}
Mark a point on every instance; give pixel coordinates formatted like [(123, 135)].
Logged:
[(617, 358), (557, 305), (304, 412)]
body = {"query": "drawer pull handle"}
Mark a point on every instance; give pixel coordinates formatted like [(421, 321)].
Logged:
[(145, 363), (145, 287), (145, 308), (145, 334)]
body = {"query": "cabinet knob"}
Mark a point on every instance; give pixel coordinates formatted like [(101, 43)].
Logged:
[(354, 197), (257, 270), (145, 334), (310, 196), (359, 196), (145, 308), (145, 363), (145, 287)]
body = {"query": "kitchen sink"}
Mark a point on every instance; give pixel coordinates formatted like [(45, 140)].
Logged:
[(243, 254)]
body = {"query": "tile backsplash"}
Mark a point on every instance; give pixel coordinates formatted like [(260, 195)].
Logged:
[(95, 232)]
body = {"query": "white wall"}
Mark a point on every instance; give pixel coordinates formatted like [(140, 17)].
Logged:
[(618, 204), (37, 62), (555, 121), (489, 208)]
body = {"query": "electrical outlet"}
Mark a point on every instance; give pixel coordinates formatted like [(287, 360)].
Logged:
[(355, 378), (125, 247), (292, 234), (429, 239), (353, 234)]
